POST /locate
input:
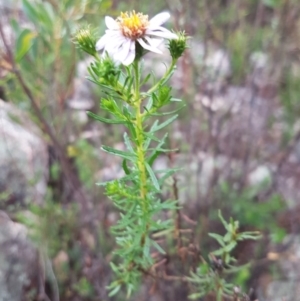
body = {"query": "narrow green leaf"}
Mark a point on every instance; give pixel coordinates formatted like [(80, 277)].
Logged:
[(153, 157), (127, 113), (125, 167), (106, 120), (168, 173), (128, 143), (148, 141), (197, 295), (168, 113), (152, 176), (102, 183), (156, 152), (125, 82), (131, 177), (149, 104), (30, 11), (47, 15), (146, 249), (130, 289), (168, 77), (113, 267), (24, 43), (252, 237), (145, 80), (131, 129), (94, 79), (129, 86), (114, 291), (219, 252), (169, 205), (230, 246), (122, 154), (158, 247), (152, 137), (165, 123), (225, 224), (217, 237), (162, 233), (227, 237)]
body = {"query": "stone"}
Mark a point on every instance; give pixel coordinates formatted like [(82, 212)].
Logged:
[(261, 174), (82, 96), (23, 159), (19, 261), (214, 60), (283, 290)]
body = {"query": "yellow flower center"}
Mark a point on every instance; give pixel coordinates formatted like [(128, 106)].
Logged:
[(133, 25)]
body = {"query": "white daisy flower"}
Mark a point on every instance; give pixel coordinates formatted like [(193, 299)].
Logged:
[(122, 34)]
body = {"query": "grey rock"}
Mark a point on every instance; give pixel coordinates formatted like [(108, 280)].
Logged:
[(23, 159), (285, 286), (261, 174), (283, 290), (259, 60), (213, 61), (19, 262), (82, 97)]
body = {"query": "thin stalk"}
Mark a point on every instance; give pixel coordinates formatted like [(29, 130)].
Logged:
[(140, 139), (168, 72)]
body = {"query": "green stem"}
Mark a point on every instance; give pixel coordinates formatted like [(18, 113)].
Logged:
[(140, 140), (168, 72)]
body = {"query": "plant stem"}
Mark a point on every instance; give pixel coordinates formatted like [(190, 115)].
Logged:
[(167, 74), (140, 140)]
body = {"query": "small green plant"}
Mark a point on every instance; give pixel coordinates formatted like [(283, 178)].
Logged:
[(211, 275), (137, 195)]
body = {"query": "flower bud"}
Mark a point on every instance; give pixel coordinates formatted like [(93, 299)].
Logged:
[(105, 72), (108, 70), (178, 46), (85, 40)]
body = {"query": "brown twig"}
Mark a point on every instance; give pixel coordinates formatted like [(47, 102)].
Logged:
[(178, 213)]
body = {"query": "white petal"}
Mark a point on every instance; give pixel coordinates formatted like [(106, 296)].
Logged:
[(101, 43), (111, 31), (114, 43), (159, 19), (148, 47), (157, 28), (130, 58), (163, 34), (123, 51), (116, 36), (153, 41), (111, 23), (110, 38)]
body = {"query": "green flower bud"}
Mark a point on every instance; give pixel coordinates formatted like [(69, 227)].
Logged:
[(105, 72), (178, 46), (108, 70), (85, 40)]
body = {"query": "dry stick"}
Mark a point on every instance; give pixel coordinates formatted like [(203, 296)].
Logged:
[(66, 166), (254, 92), (178, 213), (164, 276)]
